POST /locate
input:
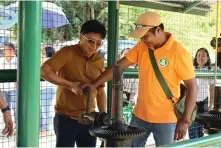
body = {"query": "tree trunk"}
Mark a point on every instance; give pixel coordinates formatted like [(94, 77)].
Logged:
[(88, 11)]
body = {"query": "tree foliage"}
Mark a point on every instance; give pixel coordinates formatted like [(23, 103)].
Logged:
[(193, 31), (77, 12)]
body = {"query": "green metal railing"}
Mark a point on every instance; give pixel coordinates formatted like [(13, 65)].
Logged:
[(211, 141), (10, 74), (133, 73), (28, 74)]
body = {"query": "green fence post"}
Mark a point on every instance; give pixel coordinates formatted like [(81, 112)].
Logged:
[(111, 38), (29, 73)]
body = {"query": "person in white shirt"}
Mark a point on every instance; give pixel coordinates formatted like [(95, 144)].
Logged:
[(205, 93), (47, 94), (9, 89)]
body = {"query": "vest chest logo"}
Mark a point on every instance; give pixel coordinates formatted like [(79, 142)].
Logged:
[(163, 62)]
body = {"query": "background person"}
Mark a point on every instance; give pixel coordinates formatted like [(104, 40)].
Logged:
[(202, 62)]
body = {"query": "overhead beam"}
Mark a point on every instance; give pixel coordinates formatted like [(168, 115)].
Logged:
[(166, 6), (151, 4), (191, 6)]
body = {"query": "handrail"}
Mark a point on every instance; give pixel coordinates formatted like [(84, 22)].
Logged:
[(212, 141), (9, 75), (133, 73)]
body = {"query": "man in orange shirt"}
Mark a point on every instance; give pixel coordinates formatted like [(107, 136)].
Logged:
[(67, 68), (154, 111)]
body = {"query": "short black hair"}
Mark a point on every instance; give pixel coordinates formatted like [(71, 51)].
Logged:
[(10, 45), (94, 26), (152, 30), (50, 51)]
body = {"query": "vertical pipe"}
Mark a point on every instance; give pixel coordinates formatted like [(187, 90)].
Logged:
[(217, 34), (115, 41), (29, 73), (111, 41), (117, 88), (117, 95), (117, 91), (87, 90)]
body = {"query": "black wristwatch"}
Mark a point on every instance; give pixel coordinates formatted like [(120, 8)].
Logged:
[(5, 109)]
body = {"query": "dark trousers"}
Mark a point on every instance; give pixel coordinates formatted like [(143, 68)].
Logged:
[(69, 131), (195, 130)]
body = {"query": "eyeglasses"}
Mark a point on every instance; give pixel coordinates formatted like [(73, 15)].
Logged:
[(140, 26), (93, 42)]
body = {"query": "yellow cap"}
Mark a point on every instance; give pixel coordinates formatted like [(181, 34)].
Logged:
[(144, 22)]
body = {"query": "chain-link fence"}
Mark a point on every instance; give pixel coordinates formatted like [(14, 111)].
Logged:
[(61, 22)]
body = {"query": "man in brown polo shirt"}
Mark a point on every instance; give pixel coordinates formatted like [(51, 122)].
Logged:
[(70, 66)]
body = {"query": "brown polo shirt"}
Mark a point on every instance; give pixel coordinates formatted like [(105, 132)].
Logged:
[(72, 65)]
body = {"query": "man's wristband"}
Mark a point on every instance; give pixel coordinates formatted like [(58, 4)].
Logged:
[(5, 109)]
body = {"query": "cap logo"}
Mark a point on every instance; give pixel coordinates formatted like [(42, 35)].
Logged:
[(163, 62)]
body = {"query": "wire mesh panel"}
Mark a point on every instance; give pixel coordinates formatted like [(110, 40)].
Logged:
[(61, 22), (74, 14), (47, 100), (8, 60), (193, 31)]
